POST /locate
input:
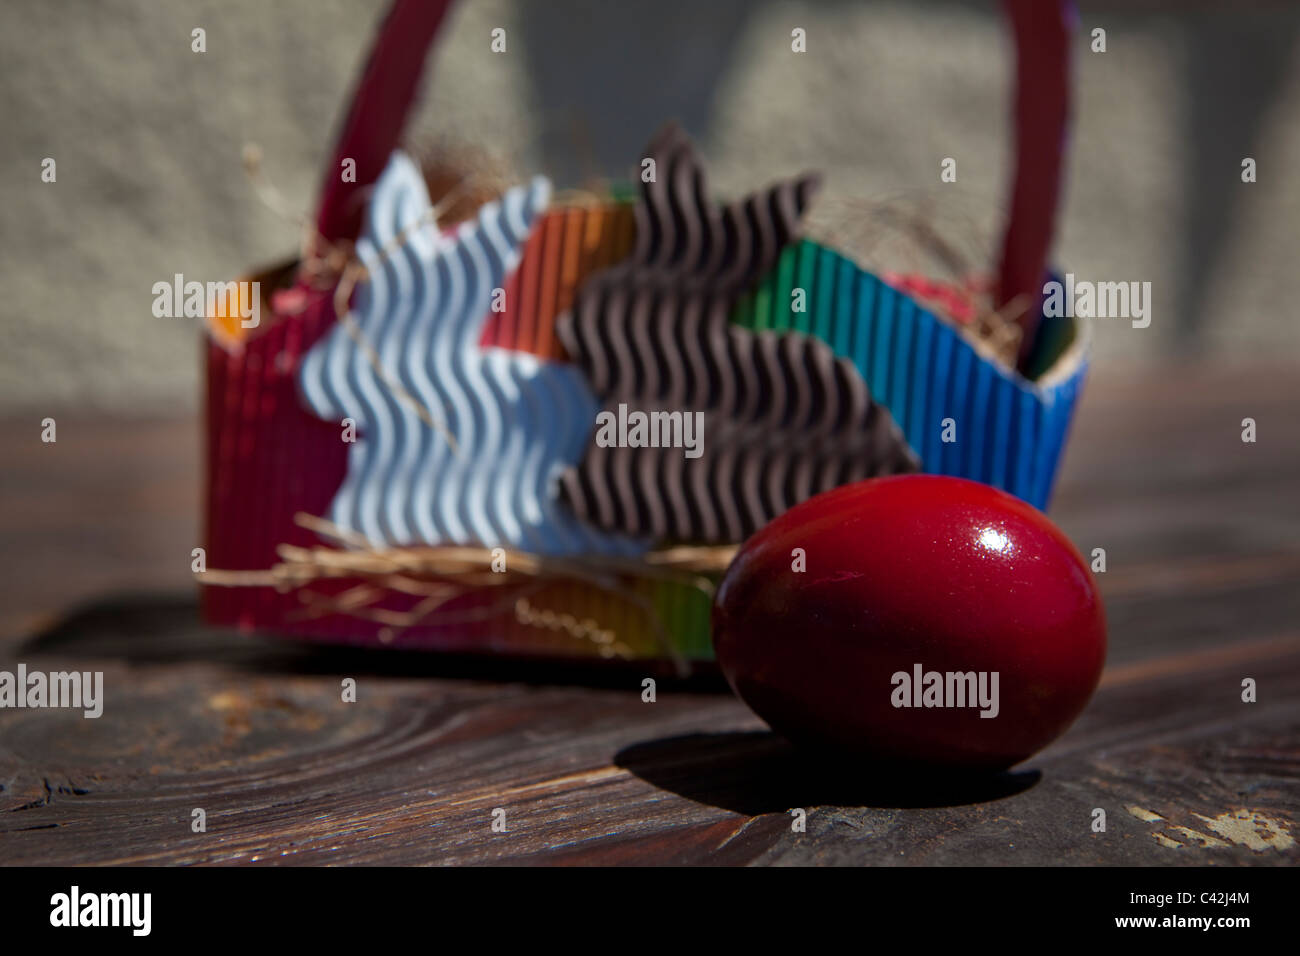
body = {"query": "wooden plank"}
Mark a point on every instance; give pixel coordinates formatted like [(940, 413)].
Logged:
[(412, 772), (1203, 545)]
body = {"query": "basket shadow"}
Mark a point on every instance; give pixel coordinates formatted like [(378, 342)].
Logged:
[(167, 628), (758, 772)]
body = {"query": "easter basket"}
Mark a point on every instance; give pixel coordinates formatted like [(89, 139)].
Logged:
[(542, 430)]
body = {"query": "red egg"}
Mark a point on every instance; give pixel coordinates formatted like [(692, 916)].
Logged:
[(918, 619)]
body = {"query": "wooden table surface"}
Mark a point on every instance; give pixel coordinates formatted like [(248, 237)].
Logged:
[(1202, 536)]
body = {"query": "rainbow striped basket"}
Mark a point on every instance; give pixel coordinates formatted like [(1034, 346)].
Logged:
[(407, 450)]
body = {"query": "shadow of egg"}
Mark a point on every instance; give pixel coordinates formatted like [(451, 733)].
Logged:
[(757, 772)]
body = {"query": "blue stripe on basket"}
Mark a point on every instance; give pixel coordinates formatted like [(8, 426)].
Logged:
[(1013, 436), (923, 434), (998, 429), (846, 311), (824, 283), (864, 332), (1056, 429), (900, 366), (979, 450), (943, 386), (1049, 427), (1027, 444), (883, 344), (963, 388)]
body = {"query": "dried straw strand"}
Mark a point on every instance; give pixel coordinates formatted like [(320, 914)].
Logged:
[(439, 574)]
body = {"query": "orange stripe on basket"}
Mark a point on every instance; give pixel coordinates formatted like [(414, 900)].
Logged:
[(568, 245), (570, 261), (552, 247), (529, 273)]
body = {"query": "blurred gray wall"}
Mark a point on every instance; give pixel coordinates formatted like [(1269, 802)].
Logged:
[(147, 136)]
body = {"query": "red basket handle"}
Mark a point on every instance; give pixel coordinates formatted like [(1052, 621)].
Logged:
[(380, 105), (1041, 30)]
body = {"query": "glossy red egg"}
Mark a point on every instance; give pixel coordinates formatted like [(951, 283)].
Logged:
[(935, 621)]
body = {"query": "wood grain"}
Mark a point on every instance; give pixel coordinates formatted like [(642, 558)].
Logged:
[(1202, 535)]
